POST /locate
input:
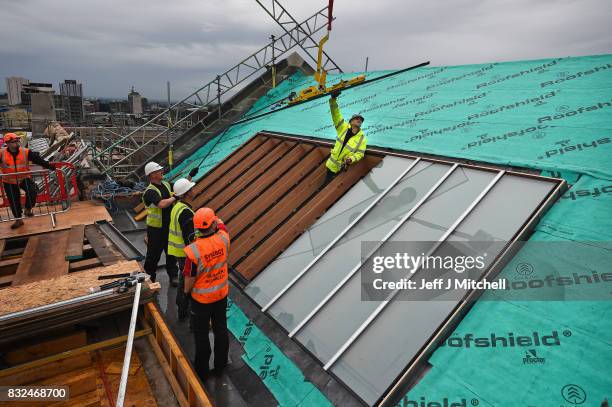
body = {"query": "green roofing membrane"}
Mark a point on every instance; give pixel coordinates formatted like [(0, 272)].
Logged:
[(553, 115)]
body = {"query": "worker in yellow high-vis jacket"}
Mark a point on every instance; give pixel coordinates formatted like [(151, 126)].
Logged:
[(350, 143)]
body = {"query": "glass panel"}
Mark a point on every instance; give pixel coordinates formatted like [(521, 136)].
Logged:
[(345, 312), (404, 327), (304, 249), (292, 307)]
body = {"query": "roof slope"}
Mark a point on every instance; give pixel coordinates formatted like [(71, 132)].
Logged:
[(552, 114)]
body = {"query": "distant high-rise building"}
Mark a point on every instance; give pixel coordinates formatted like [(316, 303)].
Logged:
[(118, 106), (135, 102), (72, 100), (27, 90), (14, 85), (70, 87)]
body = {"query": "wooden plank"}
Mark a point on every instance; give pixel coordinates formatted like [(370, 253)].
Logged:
[(75, 242), (194, 389), (71, 353), (71, 285), (138, 390), (10, 262), (251, 212), (43, 258), (81, 212), (53, 368), (176, 387), (139, 208), (2, 245), (6, 281), (100, 245), (42, 349), (91, 399), (234, 172), (79, 382), (229, 209), (303, 219), (284, 207), (115, 368), (84, 264)]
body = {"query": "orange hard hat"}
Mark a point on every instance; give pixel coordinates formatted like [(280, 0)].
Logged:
[(203, 218), (10, 137)]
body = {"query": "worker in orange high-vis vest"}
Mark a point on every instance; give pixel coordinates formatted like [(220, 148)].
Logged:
[(206, 279), (15, 164)]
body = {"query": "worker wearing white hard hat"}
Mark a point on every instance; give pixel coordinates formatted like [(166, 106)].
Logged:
[(180, 235), (158, 199)]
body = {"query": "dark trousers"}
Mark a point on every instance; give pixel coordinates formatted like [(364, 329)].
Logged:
[(329, 176), (202, 314), (157, 242), (13, 194), (182, 299)]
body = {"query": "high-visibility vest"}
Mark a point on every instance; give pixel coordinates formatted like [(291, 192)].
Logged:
[(176, 244), (154, 214), (15, 165), (209, 254), (356, 146)]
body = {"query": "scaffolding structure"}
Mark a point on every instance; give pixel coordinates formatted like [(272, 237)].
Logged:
[(121, 156)]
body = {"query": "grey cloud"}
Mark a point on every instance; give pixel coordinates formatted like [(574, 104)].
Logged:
[(111, 45)]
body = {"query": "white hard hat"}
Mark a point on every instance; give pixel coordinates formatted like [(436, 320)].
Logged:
[(152, 167), (182, 186)]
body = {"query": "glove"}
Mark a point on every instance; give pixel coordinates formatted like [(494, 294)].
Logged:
[(193, 172), (335, 93)]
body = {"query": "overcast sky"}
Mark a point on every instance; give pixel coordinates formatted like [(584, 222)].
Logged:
[(112, 45)]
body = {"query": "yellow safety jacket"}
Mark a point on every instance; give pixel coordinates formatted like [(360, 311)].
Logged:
[(356, 146), (176, 244), (154, 214)]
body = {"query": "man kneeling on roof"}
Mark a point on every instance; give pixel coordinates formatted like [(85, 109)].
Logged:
[(206, 275), (350, 143)]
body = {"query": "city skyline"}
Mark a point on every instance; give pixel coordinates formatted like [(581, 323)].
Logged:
[(117, 45)]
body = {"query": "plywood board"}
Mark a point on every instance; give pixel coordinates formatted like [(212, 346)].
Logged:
[(43, 258), (62, 288), (80, 213), (138, 389)]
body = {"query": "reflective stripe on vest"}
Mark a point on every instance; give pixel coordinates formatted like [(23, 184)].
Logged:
[(176, 244), (12, 166), (154, 215), (339, 152), (210, 289)]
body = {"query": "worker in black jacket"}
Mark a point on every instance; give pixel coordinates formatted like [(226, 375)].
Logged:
[(15, 163)]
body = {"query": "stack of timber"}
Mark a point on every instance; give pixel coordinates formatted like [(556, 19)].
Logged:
[(55, 332), (46, 273), (90, 367)]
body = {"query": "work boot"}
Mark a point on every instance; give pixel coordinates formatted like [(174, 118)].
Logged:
[(28, 212), (174, 281), (18, 223)]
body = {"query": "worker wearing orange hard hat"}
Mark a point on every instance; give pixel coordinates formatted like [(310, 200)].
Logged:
[(206, 280), (15, 164)]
